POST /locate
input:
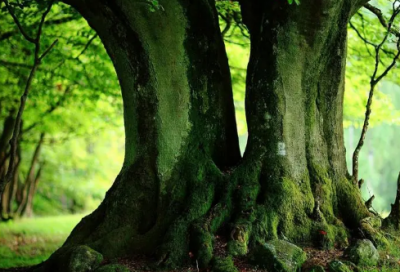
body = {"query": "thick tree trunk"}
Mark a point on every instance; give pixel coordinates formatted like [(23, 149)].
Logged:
[(294, 103), (182, 178), (179, 121)]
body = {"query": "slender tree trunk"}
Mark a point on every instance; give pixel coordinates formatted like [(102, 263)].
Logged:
[(182, 179), (5, 203), (4, 140), (7, 132), (5, 137), (32, 190), (28, 189), (15, 181)]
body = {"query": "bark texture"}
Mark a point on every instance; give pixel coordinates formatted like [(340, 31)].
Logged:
[(180, 127), (294, 103), (183, 179), (393, 220)]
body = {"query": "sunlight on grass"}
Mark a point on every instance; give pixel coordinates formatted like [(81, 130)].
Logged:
[(28, 242)]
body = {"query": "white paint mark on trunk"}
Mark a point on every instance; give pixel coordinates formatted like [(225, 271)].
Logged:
[(281, 149)]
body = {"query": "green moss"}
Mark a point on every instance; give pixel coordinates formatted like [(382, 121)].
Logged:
[(288, 207), (266, 225), (240, 235), (363, 253), (350, 204), (316, 268), (371, 229), (83, 259), (113, 268), (323, 190), (278, 255), (202, 244), (223, 265), (338, 266), (327, 236)]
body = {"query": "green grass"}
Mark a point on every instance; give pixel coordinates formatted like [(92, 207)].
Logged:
[(28, 242)]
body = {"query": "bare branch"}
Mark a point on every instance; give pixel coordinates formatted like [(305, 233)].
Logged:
[(47, 50), (18, 120), (86, 46), (8, 34), (375, 79), (381, 18), (21, 29)]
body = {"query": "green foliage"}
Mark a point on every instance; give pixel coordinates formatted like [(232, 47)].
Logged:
[(294, 1), (75, 99), (154, 5)]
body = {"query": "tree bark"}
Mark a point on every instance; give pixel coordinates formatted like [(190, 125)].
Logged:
[(28, 212), (393, 220), (183, 179), (179, 121), (5, 137), (28, 189), (7, 132), (294, 103)]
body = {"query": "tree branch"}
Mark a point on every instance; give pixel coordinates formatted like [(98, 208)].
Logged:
[(381, 18), (49, 110), (37, 60), (86, 46), (8, 34), (375, 79), (16, 21)]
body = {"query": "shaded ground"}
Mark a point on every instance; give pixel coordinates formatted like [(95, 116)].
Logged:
[(30, 241)]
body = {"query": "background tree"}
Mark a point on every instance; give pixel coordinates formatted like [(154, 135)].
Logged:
[(61, 104)]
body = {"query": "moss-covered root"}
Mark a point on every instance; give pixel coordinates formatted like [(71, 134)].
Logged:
[(113, 268), (239, 240), (72, 259), (223, 265), (202, 244), (371, 229), (351, 207)]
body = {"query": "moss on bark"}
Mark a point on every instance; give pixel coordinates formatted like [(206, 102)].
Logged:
[(183, 180)]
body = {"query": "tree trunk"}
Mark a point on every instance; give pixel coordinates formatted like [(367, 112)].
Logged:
[(29, 185), (294, 103), (4, 141), (15, 181), (9, 194), (32, 190), (7, 132), (393, 220), (5, 198), (182, 179)]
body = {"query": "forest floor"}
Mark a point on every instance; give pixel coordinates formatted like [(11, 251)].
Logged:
[(28, 242)]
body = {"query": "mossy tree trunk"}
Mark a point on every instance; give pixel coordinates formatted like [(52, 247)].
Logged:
[(294, 103), (183, 179)]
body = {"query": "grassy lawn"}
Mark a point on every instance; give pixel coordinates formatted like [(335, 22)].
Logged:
[(28, 242)]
